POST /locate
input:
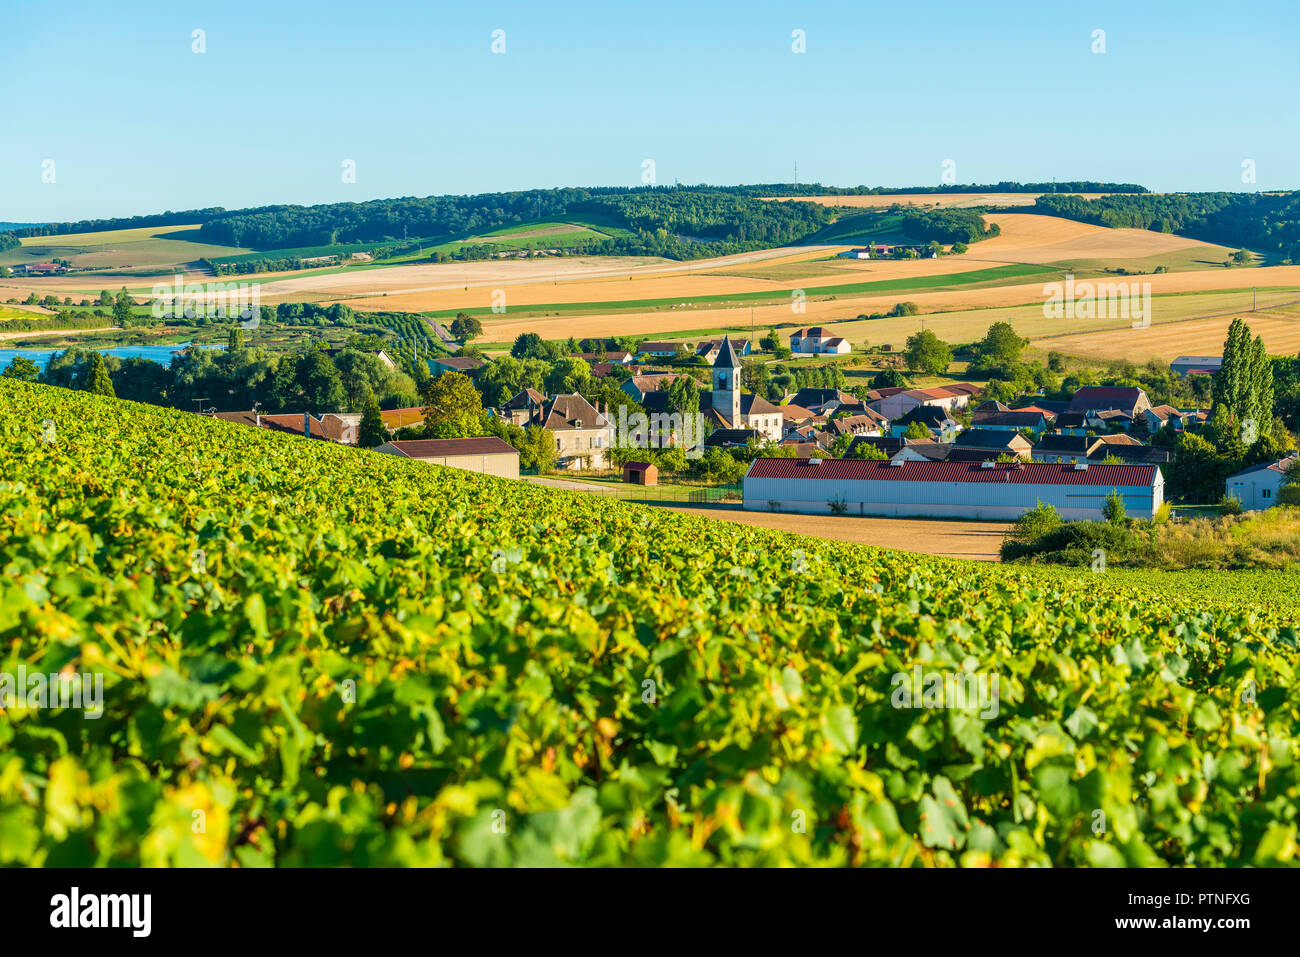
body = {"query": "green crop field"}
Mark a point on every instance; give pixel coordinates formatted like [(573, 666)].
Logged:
[(145, 247), (330, 656), (525, 236), (857, 228)]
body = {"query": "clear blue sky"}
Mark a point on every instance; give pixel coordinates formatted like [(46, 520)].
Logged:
[(709, 90)]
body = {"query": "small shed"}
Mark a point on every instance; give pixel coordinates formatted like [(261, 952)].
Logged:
[(640, 473)]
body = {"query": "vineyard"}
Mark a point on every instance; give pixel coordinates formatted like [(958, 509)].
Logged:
[(315, 655), (415, 343)]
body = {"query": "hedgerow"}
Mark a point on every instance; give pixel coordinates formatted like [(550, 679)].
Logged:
[(317, 655)]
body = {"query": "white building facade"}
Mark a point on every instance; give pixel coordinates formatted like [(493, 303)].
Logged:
[(1258, 487)]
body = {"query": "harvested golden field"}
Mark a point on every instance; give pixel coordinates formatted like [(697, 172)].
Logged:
[(1280, 328), (1031, 238), (647, 285), (923, 199), (1025, 238), (973, 540), (439, 282), (965, 315), (1184, 315), (1042, 331)]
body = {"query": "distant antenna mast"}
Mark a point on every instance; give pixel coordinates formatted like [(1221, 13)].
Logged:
[(796, 172)]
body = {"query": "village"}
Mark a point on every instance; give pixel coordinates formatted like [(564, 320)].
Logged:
[(944, 451)]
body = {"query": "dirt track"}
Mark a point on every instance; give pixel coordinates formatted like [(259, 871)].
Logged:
[(973, 540), (53, 333)]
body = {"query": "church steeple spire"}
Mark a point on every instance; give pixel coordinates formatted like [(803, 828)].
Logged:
[(726, 384)]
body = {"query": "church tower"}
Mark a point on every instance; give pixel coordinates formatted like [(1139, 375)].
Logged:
[(726, 384)]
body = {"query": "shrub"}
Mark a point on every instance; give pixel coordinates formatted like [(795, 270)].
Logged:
[(1073, 543), (1036, 523)]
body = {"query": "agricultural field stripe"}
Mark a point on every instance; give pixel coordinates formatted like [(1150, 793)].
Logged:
[(938, 282)]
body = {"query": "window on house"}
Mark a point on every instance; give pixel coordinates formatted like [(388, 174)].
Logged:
[(1268, 493)]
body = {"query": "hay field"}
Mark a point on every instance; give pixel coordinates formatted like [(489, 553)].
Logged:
[(1094, 337), (1031, 238), (431, 279), (1280, 327), (676, 290), (952, 313), (1050, 333), (1025, 238)]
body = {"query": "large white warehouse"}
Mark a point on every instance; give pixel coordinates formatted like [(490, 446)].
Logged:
[(948, 489)]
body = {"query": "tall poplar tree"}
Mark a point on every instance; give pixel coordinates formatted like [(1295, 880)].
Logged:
[(1261, 369), (1231, 385)]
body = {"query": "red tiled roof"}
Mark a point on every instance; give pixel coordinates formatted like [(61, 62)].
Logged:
[(1046, 413), (1024, 473), (938, 392)]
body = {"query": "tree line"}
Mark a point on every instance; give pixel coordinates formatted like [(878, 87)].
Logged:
[(1267, 222), (677, 222), (237, 378), (947, 225), (1006, 186), (183, 218)]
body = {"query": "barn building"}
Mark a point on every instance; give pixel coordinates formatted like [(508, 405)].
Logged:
[(980, 490), (488, 455)]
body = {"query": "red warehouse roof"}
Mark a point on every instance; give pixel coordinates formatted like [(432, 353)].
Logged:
[(1035, 473)]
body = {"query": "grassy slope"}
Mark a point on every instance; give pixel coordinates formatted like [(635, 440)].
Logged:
[(376, 659), (149, 246)]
